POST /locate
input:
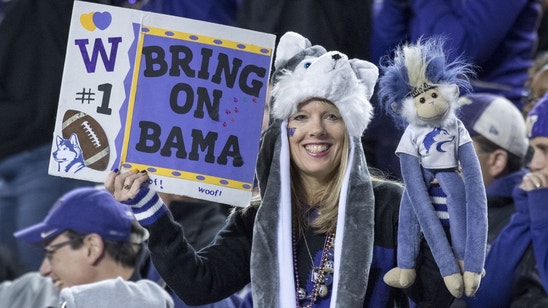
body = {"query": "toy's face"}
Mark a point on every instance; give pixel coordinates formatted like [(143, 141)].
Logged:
[(431, 105)]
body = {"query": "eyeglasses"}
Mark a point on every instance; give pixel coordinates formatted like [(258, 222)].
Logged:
[(51, 249)]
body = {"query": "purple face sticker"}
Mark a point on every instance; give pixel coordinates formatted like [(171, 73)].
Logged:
[(291, 131)]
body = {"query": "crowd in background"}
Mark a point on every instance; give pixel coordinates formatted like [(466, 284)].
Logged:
[(507, 42)]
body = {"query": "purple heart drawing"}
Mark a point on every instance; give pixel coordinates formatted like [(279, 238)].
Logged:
[(102, 19)]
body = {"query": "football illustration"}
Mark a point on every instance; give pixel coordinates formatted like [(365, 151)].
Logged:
[(91, 137)]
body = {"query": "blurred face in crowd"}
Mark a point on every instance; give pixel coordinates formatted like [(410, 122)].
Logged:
[(65, 265), (539, 162), (484, 160), (539, 86)]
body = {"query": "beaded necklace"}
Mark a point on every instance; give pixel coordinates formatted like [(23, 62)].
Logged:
[(321, 275)]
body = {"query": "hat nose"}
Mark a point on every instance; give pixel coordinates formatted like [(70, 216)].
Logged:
[(336, 56)]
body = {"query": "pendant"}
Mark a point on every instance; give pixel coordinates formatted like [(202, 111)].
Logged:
[(315, 275), (301, 294), (331, 254), (328, 279), (322, 290), (329, 266)]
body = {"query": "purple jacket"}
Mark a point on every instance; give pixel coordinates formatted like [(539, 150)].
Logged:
[(497, 36)]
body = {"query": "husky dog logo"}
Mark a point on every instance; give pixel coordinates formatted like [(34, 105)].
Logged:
[(438, 137), (68, 154)]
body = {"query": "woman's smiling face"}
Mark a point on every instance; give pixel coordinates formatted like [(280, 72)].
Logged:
[(316, 136)]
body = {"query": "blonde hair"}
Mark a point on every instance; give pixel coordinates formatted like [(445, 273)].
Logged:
[(326, 200)]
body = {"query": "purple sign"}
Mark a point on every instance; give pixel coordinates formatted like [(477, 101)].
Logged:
[(197, 106)]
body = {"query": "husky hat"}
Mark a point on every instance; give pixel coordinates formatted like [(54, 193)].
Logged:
[(331, 75), (537, 119), (303, 72)]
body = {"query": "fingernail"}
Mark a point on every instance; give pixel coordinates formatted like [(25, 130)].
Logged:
[(143, 171), (115, 170)]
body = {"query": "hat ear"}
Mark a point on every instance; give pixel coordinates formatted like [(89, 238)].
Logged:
[(291, 43), (367, 74), (450, 92)]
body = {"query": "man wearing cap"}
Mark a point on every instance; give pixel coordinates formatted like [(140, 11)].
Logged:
[(92, 247), (516, 265), (497, 129)]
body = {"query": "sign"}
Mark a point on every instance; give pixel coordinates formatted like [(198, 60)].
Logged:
[(180, 98)]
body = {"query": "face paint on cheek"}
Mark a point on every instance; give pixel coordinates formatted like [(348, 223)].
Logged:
[(291, 131)]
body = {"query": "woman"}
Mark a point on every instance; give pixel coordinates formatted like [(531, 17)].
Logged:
[(324, 232)]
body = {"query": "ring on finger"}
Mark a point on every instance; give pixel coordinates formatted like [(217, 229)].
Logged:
[(538, 185)]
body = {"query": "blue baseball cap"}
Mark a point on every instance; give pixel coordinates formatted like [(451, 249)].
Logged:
[(85, 210)]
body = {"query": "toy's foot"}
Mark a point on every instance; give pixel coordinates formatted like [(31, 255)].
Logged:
[(400, 277), (454, 284), (472, 282)]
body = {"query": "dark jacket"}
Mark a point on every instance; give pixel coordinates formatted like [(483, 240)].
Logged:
[(343, 25), (513, 276), (498, 37), (33, 36), (199, 277)]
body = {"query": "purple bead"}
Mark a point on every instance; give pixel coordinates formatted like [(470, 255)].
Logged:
[(328, 279)]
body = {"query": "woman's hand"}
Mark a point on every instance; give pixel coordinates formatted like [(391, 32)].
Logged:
[(131, 188), (126, 185)]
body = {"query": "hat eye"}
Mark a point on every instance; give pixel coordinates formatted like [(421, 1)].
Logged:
[(307, 65)]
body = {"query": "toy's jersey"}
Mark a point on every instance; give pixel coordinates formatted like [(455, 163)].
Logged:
[(437, 147)]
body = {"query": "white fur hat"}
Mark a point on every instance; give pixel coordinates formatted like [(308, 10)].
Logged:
[(348, 83)]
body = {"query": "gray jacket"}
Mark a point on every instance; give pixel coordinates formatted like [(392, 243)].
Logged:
[(116, 293), (29, 290)]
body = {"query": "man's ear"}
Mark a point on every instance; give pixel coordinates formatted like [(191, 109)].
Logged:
[(498, 159), (95, 247)]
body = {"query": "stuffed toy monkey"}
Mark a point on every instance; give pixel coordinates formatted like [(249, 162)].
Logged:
[(420, 90)]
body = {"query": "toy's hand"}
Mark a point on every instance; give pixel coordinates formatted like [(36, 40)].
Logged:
[(472, 282), (454, 284), (400, 277)]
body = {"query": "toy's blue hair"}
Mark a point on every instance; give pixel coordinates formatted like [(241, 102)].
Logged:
[(426, 63)]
